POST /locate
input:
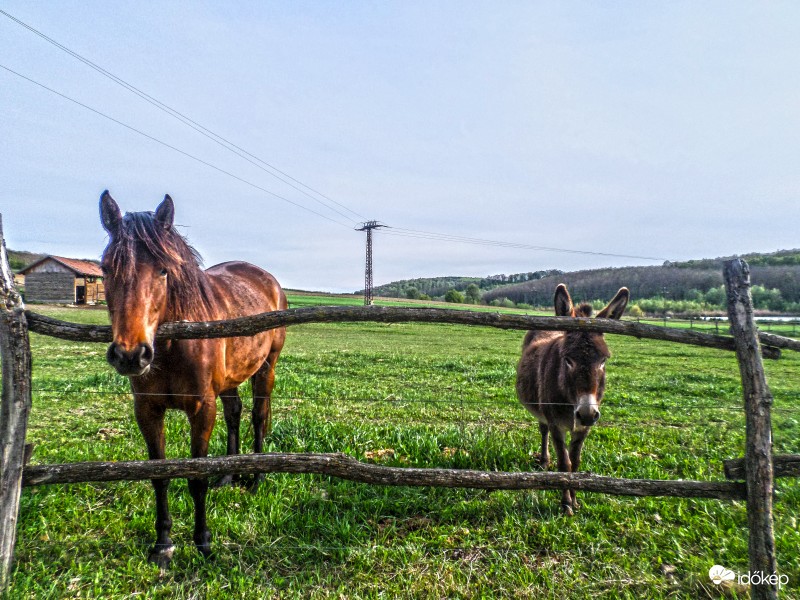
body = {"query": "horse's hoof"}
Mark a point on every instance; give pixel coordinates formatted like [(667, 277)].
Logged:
[(567, 510), (203, 543), (544, 464), (161, 556)]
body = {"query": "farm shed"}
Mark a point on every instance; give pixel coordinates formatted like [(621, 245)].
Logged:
[(62, 280)]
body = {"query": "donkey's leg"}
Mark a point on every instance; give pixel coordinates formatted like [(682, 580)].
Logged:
[(150, 418), (564, 465), (263, 381), (202, 424), (544, 457), (575, 445), (232, 405)]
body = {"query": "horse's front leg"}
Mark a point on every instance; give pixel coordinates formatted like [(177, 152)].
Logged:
[(202, 423), (564, 465), (150, 418), (575, 446)]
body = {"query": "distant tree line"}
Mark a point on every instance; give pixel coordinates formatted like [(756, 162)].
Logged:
[(689, 287), (437, 287), (775, 288)]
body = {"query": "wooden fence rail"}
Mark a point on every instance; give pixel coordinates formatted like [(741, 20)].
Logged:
[(346, 467), (246, 326), (756, 467)]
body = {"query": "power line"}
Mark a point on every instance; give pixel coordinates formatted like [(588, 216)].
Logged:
[(215, 137), (269, 168), (443, 237), (171, 147)]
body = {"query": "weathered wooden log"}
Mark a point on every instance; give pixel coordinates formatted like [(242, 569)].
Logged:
[(778, 341), (382, 314), (16, 403), (783, 465), (758, 428), (346, 467)]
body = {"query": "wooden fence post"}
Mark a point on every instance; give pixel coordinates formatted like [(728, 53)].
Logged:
[(16, 402), (758, 441)]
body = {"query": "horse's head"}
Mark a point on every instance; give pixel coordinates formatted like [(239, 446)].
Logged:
[(143, 254), (582, 368)]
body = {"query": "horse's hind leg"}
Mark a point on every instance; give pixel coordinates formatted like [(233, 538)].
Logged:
[(263, 381), (232, 406), (202, 424)]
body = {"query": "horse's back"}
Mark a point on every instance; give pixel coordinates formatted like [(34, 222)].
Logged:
[(246, 289), (242, 289)]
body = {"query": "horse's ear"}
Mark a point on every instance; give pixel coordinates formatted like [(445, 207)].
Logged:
[(617, 305), (110, 215), (165, 213), (563, 301)]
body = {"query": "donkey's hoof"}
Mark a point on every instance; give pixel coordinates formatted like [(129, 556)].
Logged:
[(255, 483), (161, 555), (223, 481), (567, 510)]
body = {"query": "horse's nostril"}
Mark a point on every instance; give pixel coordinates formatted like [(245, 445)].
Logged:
[(113, 354), (145, 354)]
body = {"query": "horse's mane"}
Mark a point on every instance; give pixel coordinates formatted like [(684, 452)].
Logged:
[(141, 236)]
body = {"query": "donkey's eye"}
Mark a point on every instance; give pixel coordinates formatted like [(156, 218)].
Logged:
[(570, 363), (163, 272), (602, 366)]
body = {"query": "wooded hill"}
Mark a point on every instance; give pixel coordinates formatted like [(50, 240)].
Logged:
[(775, 277), (439, 286)]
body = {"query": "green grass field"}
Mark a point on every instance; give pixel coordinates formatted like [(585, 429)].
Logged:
[(406, 395)]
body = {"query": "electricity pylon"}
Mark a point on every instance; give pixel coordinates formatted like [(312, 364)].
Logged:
[(368, 226)]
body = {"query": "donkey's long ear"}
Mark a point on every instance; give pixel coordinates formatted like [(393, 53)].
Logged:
[(165, 213), (110, 215), (617, 305), (563, 302)]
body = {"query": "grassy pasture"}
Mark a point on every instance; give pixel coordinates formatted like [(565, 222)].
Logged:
[(406, 395)]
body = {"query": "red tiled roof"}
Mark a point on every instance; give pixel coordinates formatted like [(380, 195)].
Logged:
[(79, 267)]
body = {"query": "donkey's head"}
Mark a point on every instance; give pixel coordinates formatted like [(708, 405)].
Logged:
[(582, 356), (148, 268)]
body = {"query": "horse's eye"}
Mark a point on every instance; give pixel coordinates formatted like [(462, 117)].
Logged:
[(570, 363), (602, 366), (163, 272)]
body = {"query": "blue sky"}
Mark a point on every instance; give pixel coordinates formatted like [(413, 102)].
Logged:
[(666, 130)]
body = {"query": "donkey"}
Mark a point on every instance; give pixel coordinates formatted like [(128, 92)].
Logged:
[(561, 378)]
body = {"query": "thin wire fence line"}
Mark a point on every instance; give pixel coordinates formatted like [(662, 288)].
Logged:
[(398, 400), (171, 147), (215, 137)]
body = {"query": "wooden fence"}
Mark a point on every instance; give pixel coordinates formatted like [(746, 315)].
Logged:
[(758, 468)]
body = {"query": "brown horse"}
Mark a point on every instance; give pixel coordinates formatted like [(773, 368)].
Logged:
[(153, 276), (561, 378)]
